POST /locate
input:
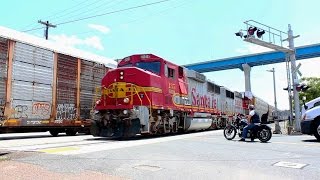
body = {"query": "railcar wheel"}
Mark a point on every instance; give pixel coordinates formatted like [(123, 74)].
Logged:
[(317, 130), (54, 133), (264, 135), (71, 132), (229, 132)]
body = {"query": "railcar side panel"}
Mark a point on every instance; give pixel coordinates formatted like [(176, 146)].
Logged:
[(87, 88), (238, 100), (3, 74), (32, 77), (200, 99), (66, 88)]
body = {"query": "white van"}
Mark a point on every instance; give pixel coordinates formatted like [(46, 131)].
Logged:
[(310, 121)]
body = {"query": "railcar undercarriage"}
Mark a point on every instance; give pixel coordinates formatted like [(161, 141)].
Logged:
[(128, 123)]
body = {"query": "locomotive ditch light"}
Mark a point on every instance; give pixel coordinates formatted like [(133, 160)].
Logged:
[(251, 30), (260, 33), (126, 100)]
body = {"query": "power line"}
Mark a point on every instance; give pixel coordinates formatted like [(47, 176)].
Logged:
[(111, 12), (98, 9), (161, 12), (56, 13), (77, 10)]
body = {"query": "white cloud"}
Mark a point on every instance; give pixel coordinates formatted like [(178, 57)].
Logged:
[(73, 40), (100, 28)]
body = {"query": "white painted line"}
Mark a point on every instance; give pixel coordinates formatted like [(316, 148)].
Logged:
[(89, 148), (290, 165)]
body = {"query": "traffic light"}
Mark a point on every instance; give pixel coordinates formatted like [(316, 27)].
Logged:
[(260, 33), (239, 34), (251, 30), (302, 87), (286, 89)]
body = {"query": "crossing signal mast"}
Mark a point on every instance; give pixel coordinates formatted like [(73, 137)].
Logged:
[(266, 36)]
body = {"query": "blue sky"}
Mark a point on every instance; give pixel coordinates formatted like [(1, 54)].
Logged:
[(182, 31)]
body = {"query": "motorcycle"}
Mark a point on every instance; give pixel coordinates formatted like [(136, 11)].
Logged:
[(260, 131)]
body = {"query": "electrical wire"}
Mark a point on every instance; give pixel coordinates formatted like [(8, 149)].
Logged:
[(77, 10), (59, 12), (113, 12), (97, 9), (103, 14)]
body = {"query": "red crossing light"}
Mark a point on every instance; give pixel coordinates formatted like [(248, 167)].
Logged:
[(251, 30), (260, 33)]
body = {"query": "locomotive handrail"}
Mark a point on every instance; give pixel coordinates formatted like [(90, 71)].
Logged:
[(148, 100), (141, 99), (134, 87)]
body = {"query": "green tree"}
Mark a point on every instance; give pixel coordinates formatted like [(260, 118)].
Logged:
[(314, 88)]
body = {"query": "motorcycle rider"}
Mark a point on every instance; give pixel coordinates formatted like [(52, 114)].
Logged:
[(253, 117)]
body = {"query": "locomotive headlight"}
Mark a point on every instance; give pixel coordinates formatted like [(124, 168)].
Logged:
[(98, 102), (126, 100), (121, 77), (125, 111), (121, 73)]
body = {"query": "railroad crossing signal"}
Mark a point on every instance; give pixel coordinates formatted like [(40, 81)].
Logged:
[(296, 70)]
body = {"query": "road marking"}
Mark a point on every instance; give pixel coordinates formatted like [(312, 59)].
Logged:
[(60, 149), (292, 143), (290, 165), (89, 148), (148, 167)]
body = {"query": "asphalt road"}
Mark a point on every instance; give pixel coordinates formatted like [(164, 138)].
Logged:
[(202, 155)]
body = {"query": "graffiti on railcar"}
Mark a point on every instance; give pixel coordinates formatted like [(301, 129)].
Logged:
[(66, 111), (2, 106), (41, 109), (20, 111)]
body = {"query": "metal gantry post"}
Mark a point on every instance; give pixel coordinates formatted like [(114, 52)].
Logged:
[(289, 89), (292, 56)]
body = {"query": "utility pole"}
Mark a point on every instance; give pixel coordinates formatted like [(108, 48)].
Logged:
[(47, 24), (276, 121)]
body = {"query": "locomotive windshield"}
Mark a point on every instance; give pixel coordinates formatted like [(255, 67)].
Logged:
[(153, 67)]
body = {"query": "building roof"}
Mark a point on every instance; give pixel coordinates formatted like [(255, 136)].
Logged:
[(55, 47)]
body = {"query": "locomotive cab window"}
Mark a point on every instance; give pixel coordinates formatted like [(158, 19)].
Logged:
[(126, 65), (180, 72), (171, 73), (153, 67)]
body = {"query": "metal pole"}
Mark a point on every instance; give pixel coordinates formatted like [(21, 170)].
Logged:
[(289, 89), (294, 80), (277, 126)]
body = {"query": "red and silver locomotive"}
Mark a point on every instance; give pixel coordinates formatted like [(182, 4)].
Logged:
[(146, 94)]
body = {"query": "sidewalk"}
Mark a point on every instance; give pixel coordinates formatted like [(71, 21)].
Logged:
[(283, 127)]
